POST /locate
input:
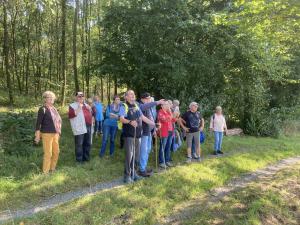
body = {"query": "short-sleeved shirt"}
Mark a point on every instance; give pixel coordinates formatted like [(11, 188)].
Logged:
[(193, 121)]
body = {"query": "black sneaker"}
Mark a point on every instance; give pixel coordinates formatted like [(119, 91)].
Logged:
[(220, 152)]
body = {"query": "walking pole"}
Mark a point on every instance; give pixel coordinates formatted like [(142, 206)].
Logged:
[(163, 152), (156, 162), (133, 157)]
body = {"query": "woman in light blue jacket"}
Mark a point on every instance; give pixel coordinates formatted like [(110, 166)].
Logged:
[(110, 126)]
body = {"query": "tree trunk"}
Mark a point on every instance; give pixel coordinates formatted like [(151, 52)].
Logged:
[(63, 51), (102, 88), (115, 85), (75, 46), (6, 54)]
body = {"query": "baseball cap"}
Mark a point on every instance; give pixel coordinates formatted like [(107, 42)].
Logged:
[(146, 95), (79, 93)]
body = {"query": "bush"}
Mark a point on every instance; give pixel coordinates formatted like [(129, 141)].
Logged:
[(17, 133)]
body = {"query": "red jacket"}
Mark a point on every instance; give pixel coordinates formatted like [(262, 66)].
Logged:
[(166, 120)]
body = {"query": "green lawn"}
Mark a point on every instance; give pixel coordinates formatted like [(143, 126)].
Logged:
[(148, 201), (271, 201)]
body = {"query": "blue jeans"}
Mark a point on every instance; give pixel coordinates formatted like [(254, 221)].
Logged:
[(165, 148), (146, 144), (98, 126), (108, 131), (218, 140)]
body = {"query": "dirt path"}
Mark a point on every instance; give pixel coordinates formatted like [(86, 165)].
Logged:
[(191, 208)]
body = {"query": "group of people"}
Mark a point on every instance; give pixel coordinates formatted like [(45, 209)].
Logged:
[(140, 122)]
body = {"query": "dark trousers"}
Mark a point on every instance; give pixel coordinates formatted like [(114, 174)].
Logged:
[(129, 151), (83, 145)]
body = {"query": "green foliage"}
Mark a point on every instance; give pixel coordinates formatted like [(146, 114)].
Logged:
[(203, 52), (17, 133)]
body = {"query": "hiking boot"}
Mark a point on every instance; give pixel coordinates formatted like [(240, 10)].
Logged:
[(127, 180), (169, 164), (220, 152), (162, 165), (188, 160)]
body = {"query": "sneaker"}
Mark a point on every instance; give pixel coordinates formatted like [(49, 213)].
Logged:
[(215, 153), (188, 160), (127, 180), (194, 156), (220, 152), (162, 165), (144, 174), (137, 178), (169, 164)]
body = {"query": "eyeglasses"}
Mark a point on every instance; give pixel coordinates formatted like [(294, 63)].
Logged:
[(80, 96)]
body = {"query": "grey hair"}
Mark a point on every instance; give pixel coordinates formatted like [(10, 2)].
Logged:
[(49, 93)]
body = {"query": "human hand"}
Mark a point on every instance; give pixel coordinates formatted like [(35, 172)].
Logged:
[(133, 123)]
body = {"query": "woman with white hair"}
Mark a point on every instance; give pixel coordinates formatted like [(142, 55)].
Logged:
[(218, 126), (48, 127)]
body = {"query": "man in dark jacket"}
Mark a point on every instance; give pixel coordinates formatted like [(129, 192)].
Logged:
[(146, 141), (132, 117)]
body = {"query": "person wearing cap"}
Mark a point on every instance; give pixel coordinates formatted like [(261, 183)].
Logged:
[(98, 115), (132, 117), (146, 106), (80, 115), (218, 126), (110, 126), (192, 125)]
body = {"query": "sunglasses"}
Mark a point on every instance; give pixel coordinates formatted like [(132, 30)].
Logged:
[(80, 96)]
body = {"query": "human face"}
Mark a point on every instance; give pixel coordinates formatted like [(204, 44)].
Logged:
[(194, 108), (146, 100), (117, 101), (219, 111), (130, 96), (80, 98), (49, 100), (165, 105)]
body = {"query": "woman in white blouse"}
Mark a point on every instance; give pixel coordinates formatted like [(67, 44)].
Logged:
[(218, 126)]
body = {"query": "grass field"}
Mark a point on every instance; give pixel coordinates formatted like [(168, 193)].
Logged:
[(272, 201), (145, 202)]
